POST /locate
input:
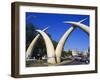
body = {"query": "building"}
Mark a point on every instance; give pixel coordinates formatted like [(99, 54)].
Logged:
[(75, 53)]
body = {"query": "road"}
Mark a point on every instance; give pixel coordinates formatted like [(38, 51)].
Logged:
[(75, 62)]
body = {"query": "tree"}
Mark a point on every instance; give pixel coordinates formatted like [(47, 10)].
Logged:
[(30, 34), (69, 53)]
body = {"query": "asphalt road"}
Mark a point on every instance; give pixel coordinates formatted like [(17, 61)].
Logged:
[(75, 62), (68, 62)]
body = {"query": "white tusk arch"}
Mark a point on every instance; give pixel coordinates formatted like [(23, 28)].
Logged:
[(61, 43), (49, 47), (32, 44), (80, 25)]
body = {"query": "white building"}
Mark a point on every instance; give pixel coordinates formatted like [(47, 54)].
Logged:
[(75, 53)]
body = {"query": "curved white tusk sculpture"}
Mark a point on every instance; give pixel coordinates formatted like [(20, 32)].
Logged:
[(61, 43), (80, 25), (49, 47), (32, 44)]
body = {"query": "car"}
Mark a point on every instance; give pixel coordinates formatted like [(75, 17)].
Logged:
[(77, 58), (82, 59), (85, 59)]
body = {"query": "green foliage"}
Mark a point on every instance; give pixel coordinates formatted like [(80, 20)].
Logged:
[(54, 43), (30, 34), (69, 53), (64, 53)]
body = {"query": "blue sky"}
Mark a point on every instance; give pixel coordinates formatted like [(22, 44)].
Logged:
[(78, 40)]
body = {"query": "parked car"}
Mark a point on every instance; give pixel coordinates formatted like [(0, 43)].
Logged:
[(82, 59), (85, 59)]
